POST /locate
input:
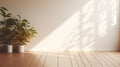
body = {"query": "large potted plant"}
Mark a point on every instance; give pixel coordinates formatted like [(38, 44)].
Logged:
[(15, 31)]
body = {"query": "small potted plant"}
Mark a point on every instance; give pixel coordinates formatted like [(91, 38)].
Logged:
[(24, 33), (6, 29), (15, 31)]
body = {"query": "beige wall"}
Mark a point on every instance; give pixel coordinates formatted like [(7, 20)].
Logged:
[(70, 24)]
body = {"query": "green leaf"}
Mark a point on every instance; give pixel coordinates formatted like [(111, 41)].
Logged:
[(9, 14), (24, 20), (23, 24), (19, 17), (3, 13), (6, 30), (4, 8)]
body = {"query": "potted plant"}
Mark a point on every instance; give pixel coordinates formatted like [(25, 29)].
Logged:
[(24, 34), (6, 29), (15, 31)]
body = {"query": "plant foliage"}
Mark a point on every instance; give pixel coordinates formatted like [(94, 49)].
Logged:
[(15, 31)]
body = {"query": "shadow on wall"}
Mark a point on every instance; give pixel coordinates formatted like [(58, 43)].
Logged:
[(70, 24)]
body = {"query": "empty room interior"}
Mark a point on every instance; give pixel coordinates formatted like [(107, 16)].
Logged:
[(59, 33)]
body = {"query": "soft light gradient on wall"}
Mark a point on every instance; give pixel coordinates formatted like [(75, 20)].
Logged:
[(70, 24)]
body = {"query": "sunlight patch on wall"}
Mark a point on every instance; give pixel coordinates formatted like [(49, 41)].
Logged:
[(102, 29), (56, 39), (88, 28), (114, 9)]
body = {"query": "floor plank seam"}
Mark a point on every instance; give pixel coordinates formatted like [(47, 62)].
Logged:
[(32, 60), (96, 59), (76, 60), (39, 59), (117, 58), (102, 59), (81, 60), (70, 60), (45, 59), (87, 59), (58, 59), (109, 59), (114, 60)]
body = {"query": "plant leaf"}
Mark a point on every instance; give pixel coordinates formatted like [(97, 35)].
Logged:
[(9, 14), (4, 8), (3, 13), (24, 20), (19, 17)]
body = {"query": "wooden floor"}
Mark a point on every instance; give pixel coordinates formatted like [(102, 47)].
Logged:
[(61, 59)]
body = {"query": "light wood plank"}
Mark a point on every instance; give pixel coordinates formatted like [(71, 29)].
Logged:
[(42, 59), (106, 60), (64, 60), (99, 59), (85, 59), (51, 60), (109, 59), (58, 59), (35, 60), (115, 60), (79, 60), (92, 60), (73, 59)]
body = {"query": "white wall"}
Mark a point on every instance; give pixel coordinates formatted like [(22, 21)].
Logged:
[(70, 24)]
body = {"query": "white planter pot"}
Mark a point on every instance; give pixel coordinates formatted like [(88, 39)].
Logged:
[(21, 48), (9, 48)]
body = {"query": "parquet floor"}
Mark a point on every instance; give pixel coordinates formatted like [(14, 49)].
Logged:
[(61, 59)]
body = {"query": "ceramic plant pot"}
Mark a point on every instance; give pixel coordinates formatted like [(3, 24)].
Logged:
[(9, 48), (21, 48)]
